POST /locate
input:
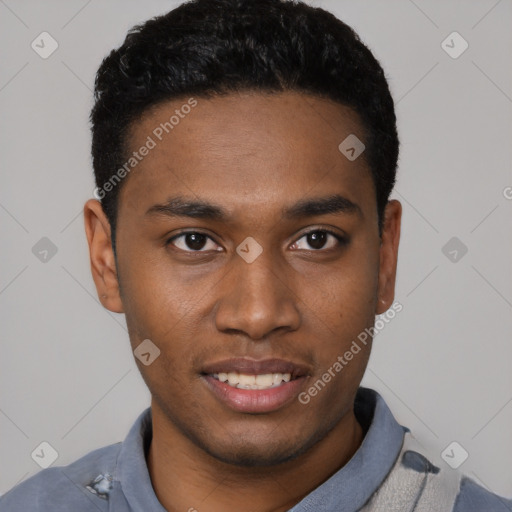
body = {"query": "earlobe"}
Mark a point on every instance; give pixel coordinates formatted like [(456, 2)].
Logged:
[(389, 255), (103, 265)]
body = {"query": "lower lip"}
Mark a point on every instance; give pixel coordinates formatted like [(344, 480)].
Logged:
[(255, 400)]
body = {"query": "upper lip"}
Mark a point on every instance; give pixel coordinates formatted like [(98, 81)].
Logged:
[(257, 367)]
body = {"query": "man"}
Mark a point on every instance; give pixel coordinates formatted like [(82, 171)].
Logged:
[(244, 154)]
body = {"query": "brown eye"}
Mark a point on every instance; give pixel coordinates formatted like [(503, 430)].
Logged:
[(319, 239), (193, 241)]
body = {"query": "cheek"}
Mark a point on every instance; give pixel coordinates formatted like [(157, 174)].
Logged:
[(155, 295), (340, 307), (162, 306), (170, 374), (345, 296)]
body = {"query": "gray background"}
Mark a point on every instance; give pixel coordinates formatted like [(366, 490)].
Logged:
[(443, 364)]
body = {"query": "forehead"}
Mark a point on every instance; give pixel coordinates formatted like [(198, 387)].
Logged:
[(246, 148)]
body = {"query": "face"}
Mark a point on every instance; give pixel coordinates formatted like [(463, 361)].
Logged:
[(248, 252)]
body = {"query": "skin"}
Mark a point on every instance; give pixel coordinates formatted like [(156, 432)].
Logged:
[(253, 154)]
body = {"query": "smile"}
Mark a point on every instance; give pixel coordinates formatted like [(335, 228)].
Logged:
[(244, 381)]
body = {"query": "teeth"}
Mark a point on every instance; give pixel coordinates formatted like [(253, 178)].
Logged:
[(232, 378), (264, 380), (244, 381)]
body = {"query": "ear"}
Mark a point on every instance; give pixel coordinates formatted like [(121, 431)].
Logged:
[(103, 264), (388, 255)]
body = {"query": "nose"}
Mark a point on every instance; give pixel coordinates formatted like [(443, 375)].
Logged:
[(256, 300)]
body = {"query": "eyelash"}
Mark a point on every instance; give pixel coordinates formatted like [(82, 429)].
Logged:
[(342, 241)]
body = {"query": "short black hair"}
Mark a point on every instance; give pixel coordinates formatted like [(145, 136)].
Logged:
[(215, 47)]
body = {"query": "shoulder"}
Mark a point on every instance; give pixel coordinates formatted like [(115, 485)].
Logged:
[(80, 486), (415, 483), (443, 485), (474, 498)]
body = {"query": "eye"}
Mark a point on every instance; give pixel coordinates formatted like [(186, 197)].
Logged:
[(192, 241), (320, 239)]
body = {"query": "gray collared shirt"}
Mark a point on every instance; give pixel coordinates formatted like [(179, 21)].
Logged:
[(116, 478)]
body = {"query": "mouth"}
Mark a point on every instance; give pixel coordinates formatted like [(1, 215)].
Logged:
[(251, 386), (245, 381)]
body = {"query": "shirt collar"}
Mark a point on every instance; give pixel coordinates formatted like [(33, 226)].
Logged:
[(353, 485), (132, 469), (348, 489)]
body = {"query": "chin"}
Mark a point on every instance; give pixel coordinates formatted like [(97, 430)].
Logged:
[(257, 451), (247, 454), (256, 443)]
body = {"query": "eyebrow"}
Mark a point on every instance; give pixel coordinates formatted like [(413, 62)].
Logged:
[(332, 205), (198, 209)]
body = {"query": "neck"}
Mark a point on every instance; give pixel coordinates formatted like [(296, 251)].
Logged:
[(185, 477)]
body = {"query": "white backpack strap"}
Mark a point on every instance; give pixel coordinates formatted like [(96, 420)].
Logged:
[(414, 484)]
